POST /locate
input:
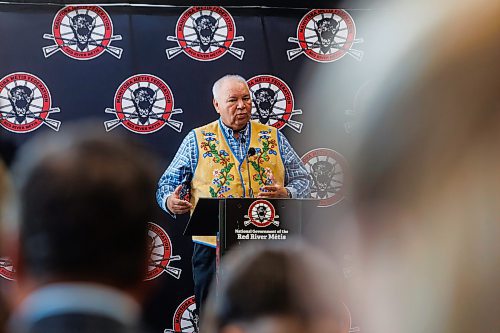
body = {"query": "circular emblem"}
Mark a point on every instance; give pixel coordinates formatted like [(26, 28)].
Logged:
[(82, 32), (326, 35), (160, 253), (328, 169), (185, 318), (7, 270), (261, 213), (205, 33), (143, 104), (25, 103), (273, 102)]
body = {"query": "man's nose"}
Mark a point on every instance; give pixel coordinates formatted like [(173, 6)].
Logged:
[(241, 103)]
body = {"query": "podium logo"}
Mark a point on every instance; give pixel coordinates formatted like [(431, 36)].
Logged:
[(82, 33), (160, 254), (261, 213), (25, 103), (143, 104), (325, 35), (185, 319), (273, 102), (7, 270), (328, 170), (205, 34)]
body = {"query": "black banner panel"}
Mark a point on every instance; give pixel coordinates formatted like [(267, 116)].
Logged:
[(147, 72)]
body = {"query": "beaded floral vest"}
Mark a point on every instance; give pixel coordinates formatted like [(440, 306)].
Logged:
[(220, 174)]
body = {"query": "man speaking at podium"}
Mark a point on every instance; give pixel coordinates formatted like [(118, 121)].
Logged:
[(230, 157)]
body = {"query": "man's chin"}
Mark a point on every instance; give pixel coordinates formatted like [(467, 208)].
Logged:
[(241, 122)]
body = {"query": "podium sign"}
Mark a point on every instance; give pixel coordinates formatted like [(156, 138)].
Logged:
[(239, 220), (253, 220)]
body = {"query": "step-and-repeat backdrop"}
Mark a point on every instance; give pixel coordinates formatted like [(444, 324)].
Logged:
[(148, 71)]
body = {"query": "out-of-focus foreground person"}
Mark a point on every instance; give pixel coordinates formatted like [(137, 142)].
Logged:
[(276, 288), (428, 177), (5, 196), (82, 251)]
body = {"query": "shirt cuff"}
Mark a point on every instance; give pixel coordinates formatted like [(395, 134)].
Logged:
[(293, 191)]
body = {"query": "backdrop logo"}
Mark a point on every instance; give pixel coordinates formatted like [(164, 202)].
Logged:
[(205, 34), (7, 270), (82, 33), (261, 213), (328, 170), (25, 103), (325, 35), (185, 318), (143, 104), (160, 253), (273, 102)]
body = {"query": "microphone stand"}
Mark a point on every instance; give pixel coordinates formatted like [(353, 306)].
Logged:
[(250, 190), (247, 155)]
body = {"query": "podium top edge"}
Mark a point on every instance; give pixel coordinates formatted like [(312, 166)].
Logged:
[(305, 199)]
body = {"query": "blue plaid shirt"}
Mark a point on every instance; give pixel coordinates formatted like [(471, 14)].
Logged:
[(183, 166)]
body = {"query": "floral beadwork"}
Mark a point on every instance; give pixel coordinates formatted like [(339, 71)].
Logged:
[(222, 177), (264, 175)]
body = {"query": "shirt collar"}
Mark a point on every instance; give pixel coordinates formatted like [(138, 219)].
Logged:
[(229, 131)]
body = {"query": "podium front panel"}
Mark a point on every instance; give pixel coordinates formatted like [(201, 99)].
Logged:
[(244, 220)]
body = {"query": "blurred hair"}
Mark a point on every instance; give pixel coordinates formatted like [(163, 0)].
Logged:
[(262, 280), (85, 200), (5, 196), (428, 181), (5, 192)]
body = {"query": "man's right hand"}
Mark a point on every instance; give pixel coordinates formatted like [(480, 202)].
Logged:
[(176, 205)]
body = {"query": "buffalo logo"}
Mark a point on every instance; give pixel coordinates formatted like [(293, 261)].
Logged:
[(325, 35), (261, 214), (328, 170), (25, 103), (82, 33), (205, 34), (7, 270), (273, 102), (143, 104), (186, 319), (160, 253)]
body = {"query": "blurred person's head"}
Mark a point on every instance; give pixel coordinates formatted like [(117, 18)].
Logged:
[(277, 288), (85, 200), (428, 181), (5, 200)]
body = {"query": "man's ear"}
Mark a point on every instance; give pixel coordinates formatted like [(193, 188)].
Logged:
[(216, 105)]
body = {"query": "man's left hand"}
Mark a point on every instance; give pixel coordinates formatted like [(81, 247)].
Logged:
[(273, 191)]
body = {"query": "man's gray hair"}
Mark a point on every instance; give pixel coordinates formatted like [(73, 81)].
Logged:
[(219, 82)]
